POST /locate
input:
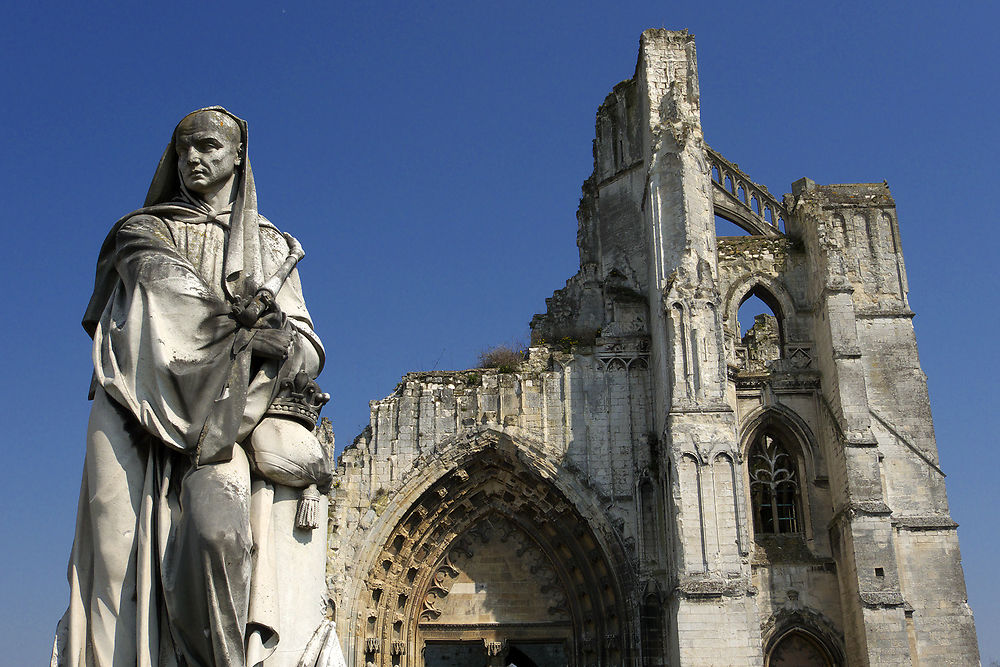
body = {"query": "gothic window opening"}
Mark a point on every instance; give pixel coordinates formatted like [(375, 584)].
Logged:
[(759, 333), (774, 487), (649, 521), (653, 647)]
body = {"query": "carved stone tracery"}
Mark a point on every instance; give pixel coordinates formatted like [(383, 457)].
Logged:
[(743, 202)]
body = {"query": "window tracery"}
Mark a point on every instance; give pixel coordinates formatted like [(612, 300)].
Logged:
[(774, 487)]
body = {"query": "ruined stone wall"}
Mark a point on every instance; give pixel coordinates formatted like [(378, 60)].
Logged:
[(795, 575), (897, 482), (580, 421), (588, 412)]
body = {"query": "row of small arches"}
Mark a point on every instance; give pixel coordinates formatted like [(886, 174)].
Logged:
[(748, 196)]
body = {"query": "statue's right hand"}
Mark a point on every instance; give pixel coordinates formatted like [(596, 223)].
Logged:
[(274, 343)]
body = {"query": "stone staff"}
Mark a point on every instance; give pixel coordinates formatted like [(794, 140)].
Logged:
[(248, 313), (301, 395)]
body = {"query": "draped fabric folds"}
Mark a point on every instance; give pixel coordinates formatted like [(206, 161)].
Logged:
[(172, 522)]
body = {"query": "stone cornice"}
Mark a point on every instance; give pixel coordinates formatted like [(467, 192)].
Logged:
[(864, 508), (872, 314), (697, 587), (875, 599), (915, 523)]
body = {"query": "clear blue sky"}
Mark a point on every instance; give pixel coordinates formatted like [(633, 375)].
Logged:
[(429, 157)]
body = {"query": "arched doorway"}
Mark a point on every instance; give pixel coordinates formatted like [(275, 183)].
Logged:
[(472, 654), (797, 648), (492, 563), (497, 586)]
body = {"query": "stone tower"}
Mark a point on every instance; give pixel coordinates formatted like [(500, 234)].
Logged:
[(650, 485)]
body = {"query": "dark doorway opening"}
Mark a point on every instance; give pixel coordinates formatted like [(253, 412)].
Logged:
[(454, 654), (536, 654)]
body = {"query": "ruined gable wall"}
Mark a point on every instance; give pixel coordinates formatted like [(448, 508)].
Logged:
[(611, 236), (582, 418)]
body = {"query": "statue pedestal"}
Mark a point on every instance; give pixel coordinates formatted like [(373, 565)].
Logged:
[(302, 596)]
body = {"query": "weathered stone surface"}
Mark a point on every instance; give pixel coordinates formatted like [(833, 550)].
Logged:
[(600, 498), (192, 547)]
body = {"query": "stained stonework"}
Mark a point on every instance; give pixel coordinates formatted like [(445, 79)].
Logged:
[(654, 486), (762, 344), (495, 573)]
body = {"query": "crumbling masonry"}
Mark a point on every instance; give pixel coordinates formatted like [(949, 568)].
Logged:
[(653, 486)]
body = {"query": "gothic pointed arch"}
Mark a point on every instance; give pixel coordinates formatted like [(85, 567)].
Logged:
[(791, 426), (493, 552), (779, 455), (798, 648), (765, 288), (802, 637)]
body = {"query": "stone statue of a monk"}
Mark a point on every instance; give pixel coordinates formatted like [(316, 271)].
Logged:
[(204, 355)]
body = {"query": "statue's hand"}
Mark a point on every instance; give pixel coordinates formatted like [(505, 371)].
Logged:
[(273, 343), (258, 311)]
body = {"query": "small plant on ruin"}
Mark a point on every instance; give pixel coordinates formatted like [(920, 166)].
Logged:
[(567, 343), (505, 358), (571, 338)]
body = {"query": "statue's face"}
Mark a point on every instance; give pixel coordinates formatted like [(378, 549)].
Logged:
[(208, 151)]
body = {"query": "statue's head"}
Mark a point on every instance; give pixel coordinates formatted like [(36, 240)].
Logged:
[(209, 149)]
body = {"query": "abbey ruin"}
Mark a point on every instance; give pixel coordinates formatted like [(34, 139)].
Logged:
[(654, 485)]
